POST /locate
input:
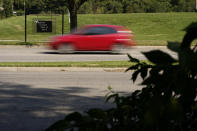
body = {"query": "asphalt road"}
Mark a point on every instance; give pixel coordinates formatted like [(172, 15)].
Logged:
[(31, 101), (42, 54)]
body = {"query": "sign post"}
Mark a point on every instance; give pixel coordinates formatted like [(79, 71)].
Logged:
[(43, 25), (25, 21)]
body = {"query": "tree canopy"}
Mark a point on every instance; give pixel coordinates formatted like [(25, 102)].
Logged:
[(110, 6)]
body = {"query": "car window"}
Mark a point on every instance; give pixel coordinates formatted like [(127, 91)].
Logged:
[(99, 31), (79, 31)]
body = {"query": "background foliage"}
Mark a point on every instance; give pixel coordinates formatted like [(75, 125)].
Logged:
[(105, 6), (96, 6), (7, 6)]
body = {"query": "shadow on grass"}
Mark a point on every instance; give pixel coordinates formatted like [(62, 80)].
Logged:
[(34, 109)]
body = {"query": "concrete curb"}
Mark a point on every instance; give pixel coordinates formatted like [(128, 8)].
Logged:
[(63, 69)]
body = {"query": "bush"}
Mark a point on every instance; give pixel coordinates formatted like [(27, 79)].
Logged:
[(7, 5), (86, 8), (1, 14), (113, 7), (166, 103), (20, 12)]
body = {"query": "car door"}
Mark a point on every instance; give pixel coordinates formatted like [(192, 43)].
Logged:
[(95, 38)]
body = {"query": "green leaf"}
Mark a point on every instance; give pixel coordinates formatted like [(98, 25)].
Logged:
[(144, 72), (159, 57), (74, 117), (174, 46), (60, 125), (131, 59), (134, 75), (112, 96), (192, 26), (134, 67), (97, 113), (147, 81)]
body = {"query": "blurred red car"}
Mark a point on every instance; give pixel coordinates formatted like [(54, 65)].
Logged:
[(94, 38)]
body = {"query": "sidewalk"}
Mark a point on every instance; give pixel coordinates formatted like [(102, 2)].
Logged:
[(63, 69)]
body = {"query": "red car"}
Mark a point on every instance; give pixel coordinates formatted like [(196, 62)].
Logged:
[(94, 38)]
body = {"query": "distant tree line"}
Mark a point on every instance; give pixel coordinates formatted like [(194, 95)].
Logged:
[(136, 6), (102, 6)]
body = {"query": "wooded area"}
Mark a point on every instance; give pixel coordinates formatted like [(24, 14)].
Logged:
[(106, 6)]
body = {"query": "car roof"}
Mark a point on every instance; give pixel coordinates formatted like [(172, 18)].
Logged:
[(105, 25)]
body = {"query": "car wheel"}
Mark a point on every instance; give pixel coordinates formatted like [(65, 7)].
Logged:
[(117, 48), (66, 49)]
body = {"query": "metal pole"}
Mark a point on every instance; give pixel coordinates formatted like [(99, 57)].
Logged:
[(25, 21), (24, 7), (25, 27), (62, 22)]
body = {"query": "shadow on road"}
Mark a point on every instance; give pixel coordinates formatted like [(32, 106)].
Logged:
[(84, 53), (25, 108)]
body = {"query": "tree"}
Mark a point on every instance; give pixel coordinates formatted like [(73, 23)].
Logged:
[(55, 4), (8, 10), (73, 6), (18, 4), (36, 4), (183, 5), (86, 8), (113, 7)]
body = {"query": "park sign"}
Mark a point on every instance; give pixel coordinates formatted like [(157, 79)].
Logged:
[(44, 26)]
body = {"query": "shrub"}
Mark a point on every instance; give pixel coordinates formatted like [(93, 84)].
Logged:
[(20, 12), (7, 5), (112, 7), (167, 102)]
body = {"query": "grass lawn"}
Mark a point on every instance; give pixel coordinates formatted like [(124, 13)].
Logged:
[(109, 64), (149, 28)]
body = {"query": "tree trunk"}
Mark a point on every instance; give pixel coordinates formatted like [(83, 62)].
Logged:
[(73, 20), (73, 6), (73, 17)]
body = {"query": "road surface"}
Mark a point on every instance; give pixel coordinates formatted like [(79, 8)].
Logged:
[(31, 101), (42, 54)]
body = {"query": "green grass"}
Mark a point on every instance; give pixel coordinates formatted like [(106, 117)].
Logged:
[(109, 64), (149, 28)]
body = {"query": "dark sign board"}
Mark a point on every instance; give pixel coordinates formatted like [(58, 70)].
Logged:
[(44, 26)]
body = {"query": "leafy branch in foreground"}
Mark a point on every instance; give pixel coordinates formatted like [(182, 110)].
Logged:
[(167, 102)]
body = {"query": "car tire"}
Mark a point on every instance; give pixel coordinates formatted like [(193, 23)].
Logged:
[(117, 48), (66, 48)]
